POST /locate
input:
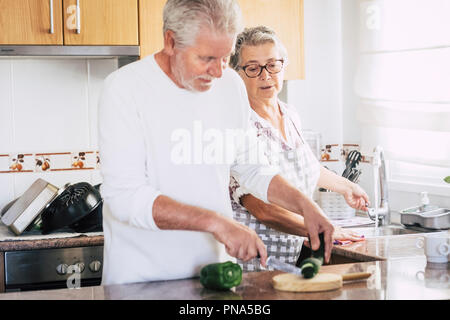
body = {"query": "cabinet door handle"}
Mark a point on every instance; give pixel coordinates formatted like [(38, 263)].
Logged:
[(52, 30), (78, 17)]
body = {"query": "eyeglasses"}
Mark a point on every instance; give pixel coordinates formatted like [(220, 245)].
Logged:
[(254, 70)]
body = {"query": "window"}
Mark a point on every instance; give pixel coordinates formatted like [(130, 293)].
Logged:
[(403, 82)]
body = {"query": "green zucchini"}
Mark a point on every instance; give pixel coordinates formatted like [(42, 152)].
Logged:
[(310, 266)]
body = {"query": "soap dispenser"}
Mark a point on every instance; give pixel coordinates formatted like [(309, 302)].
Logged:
[(424, 206), (425, 202)]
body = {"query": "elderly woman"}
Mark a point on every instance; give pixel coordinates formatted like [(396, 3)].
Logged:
[(260, 58)]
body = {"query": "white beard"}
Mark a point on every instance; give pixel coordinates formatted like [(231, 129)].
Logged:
[(177, 70)]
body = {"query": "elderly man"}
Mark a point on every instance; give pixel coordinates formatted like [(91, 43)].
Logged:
[(165, 218)]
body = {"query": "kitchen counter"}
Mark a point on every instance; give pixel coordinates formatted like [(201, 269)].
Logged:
[(399, 271), (84, 240), (38, 245), (32, 241)]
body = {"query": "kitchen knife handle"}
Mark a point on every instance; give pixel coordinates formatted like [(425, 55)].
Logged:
[(356, 276), (52, 30)]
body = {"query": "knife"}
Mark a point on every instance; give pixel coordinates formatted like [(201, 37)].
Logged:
[(286, 267), (283, 266)]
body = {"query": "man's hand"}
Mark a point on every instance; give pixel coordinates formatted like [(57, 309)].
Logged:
[(240, 241), (316, 222), (287, 196)]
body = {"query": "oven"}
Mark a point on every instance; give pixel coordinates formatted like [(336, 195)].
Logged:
[(53, 268)]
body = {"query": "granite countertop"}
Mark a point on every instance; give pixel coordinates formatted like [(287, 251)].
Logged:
[(399, 271), (34, 240), (83, 240)]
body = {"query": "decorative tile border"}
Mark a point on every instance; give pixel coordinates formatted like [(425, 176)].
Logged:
[(336, 153), (19, 162), (90, 160), (49, 162), (347, 148), (330, 153)]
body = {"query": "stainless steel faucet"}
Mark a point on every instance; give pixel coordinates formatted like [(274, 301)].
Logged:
[(381, 205)]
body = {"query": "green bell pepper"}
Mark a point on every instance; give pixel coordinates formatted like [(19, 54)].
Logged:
[(221, 276)]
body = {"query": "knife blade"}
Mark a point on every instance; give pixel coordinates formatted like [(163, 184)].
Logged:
[(283, 266)]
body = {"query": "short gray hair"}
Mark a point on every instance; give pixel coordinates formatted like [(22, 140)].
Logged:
[(186, 17), (254, 37)]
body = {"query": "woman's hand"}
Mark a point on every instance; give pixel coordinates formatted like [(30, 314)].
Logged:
[(356, 197), (342, 234)]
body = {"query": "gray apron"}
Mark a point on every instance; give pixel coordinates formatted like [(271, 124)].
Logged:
[(299, 166)]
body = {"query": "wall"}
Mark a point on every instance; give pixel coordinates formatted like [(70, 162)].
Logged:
[(349, 41), (326, 99), (48, 112), (318, 97)]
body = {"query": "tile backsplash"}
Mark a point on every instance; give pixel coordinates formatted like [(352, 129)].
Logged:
[(46, 162), (48, 121)]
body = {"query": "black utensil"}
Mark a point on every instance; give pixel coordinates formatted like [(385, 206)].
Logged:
[(73, 204), (348, 163), (355, 175), (352, 175), (353, 158), (93, 222), (90, 223)]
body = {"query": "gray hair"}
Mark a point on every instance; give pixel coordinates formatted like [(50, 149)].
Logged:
[(253, 37), (186, 17)]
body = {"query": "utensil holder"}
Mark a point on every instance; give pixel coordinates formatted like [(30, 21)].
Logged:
[(334, 206)]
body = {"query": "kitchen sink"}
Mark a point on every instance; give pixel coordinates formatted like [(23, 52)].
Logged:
[(395, 228), (390, 230), (372, 232)]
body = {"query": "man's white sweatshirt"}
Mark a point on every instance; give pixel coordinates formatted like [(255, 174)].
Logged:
[(155, 138)]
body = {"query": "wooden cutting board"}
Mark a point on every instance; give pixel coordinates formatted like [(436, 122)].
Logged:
[(321, 282)]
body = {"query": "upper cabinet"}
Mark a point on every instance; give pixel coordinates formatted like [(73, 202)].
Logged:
[(28, 22), (285, 17), (69, 22), (101, 22), (151, 26), (134, 22)]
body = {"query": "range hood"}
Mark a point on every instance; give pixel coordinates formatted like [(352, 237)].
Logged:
[(69, 51)]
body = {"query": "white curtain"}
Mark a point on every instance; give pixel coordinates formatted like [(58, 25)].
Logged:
[(403, 82)]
